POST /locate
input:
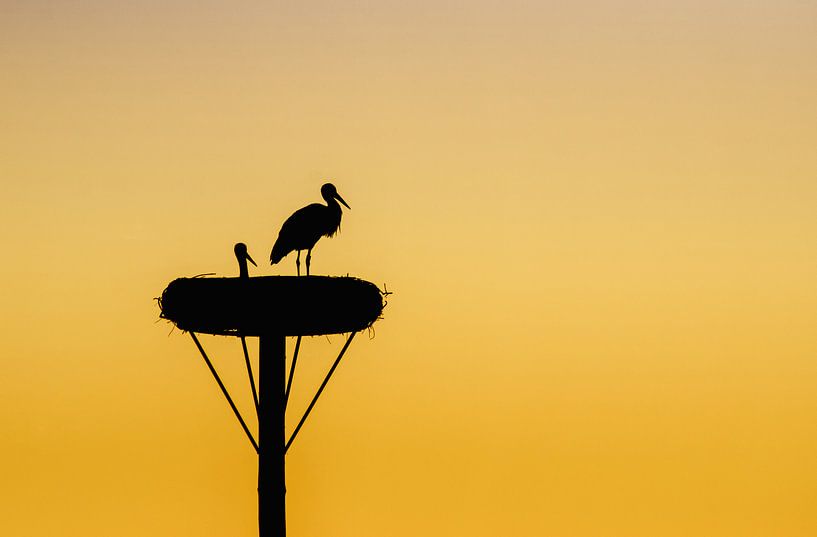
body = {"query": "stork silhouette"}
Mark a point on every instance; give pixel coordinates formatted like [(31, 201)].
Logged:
[(243, 256), (306, 226)]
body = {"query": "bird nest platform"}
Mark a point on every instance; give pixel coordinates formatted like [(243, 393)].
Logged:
[(282, 305)]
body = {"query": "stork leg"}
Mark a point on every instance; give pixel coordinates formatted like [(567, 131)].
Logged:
[(308, 260), (298, 263)]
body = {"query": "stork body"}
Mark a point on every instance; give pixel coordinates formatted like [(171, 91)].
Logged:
[(306, 226)]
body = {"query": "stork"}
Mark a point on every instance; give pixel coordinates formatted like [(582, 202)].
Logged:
[(307, 225), (243, 256)]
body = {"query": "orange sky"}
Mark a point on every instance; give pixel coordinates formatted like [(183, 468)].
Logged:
[(598, 221)]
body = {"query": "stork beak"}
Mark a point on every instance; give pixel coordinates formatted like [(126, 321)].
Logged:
[(337, 197), (250, 260)]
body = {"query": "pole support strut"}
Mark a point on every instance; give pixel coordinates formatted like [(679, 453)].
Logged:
[(318, 394), (225, 392)]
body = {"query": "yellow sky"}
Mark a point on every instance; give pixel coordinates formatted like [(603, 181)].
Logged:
[(598, 222)]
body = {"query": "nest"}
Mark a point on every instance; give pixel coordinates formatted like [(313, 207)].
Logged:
[(279, 305)]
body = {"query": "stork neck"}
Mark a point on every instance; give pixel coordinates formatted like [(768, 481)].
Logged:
[(333, 204)]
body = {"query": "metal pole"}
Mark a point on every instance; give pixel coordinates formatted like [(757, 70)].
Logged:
[(271, 437), (249, 373), (318, 394), (225, 392)]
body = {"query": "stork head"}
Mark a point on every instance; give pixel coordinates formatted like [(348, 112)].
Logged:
[(242, 254), (329, 193)]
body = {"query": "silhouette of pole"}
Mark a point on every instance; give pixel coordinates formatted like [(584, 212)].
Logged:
[(271, 436), (292, 371), (225, 392), (318, 394), (249, 373)]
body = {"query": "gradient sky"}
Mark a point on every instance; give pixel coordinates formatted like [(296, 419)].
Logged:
[(598, 220)]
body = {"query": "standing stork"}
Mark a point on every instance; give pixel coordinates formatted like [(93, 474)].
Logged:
[(307, 225)]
